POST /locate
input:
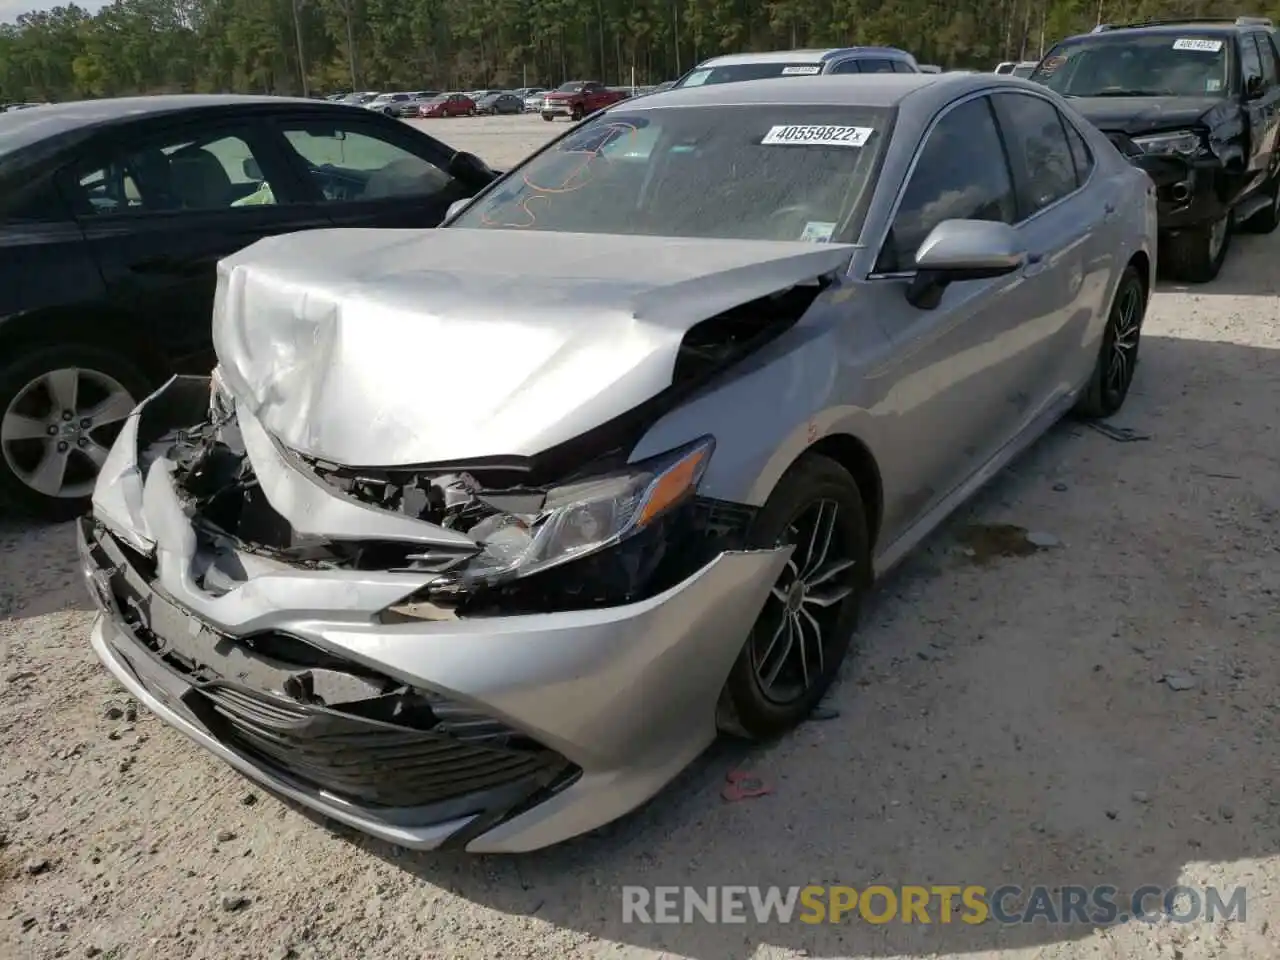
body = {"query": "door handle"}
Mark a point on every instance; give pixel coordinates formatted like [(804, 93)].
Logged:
[(1033, 265)]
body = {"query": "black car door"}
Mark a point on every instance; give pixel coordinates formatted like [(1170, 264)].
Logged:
[(1258, 107), (1269, 58), (161, 204), (366, 172)]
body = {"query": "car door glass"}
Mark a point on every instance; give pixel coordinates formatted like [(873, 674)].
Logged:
[(1044, 169), (349, 164), (1250, 62), (960, 174), (216, 173), (846, 66), (1080, 152), (901, 67), (876, 66), (1266, 59)]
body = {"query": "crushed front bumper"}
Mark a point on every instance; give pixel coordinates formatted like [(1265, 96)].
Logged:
[(551, 724)]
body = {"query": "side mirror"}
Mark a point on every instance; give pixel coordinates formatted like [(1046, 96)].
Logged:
[(1253, 87), (456, 208), (251, 169), (959, 250), (469, 168)]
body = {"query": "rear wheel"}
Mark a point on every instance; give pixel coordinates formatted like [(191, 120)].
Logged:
[(796, 646), (1197, 255), (61, 408), (576, 114), (1118, 357)]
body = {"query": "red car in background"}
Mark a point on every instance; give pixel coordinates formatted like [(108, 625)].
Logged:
[(448, 105)]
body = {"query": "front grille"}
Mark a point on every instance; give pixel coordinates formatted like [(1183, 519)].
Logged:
[(369, 761)]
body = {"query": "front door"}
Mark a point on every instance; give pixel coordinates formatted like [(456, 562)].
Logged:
[(159, 212)]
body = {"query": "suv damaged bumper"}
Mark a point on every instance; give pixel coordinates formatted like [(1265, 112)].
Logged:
[(330, 681)]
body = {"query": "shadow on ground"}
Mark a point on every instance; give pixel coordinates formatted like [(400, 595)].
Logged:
[(1005, 723)]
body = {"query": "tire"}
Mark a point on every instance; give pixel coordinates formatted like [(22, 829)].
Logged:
[(1118, 355), (547, 117), (576, 114), (1190, 256), (26, 401), (1268, 218), (471, 112), (750, 707)]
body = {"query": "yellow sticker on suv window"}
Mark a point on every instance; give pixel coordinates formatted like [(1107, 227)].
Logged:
[(813, 135), (1199, 44)]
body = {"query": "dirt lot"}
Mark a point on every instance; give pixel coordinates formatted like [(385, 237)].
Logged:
[(1006, 722)]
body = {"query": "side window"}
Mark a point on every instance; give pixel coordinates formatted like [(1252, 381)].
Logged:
[(846, 66), (193, 174), (901, 66), (1043, 167), (1080, 152), (358, 164), (960, 174), (1250, 62), (1267, 58), (876, 66)]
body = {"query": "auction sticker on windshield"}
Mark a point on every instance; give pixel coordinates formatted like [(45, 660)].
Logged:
[(1198, 44), (800, 71), (820, 136)]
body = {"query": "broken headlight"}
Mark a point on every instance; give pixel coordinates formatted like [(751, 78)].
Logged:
[(1185, 143), (583, 517), (222, 406)]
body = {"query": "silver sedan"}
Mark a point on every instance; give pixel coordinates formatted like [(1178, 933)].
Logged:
[(477, 536)]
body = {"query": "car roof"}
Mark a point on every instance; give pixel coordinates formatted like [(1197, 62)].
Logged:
[(818, 55), (24, 128), (864, 90), (1224, 27)]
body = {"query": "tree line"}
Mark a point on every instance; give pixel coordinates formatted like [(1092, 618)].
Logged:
[(323, 46)]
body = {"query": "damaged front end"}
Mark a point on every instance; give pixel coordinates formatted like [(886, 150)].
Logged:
[(476, 654)]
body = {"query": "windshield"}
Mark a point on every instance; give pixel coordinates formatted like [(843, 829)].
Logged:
[(573, 86), (779, 172), (732, 73), (1138, 65)]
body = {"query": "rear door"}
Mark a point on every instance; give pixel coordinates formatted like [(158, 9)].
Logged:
[(1065, 282), (160, 205), (366, 172)]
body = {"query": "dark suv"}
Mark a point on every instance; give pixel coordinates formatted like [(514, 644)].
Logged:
[(1196, 103)]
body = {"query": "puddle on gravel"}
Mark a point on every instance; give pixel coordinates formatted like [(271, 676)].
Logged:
[(984, 543)]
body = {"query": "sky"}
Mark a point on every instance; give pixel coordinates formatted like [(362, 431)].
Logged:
[(10, 9)]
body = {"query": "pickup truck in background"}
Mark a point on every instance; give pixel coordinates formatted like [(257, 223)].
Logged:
[(578, 98)]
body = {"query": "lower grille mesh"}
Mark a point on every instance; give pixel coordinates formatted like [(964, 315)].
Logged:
[(367, 761)]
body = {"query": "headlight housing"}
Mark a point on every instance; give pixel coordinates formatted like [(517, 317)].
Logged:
[(1184, 143), (582, 518)]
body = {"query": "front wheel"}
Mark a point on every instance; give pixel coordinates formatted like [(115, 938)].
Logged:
[(1118, 356), (576, 114), (804, 631), (1197, 255), (547, 117), (61, 408)]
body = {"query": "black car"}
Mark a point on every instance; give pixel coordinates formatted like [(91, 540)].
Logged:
[(113, 215), (495, 103), (1196, 103)]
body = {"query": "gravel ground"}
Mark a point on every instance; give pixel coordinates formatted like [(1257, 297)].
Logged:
[(1006, 722)]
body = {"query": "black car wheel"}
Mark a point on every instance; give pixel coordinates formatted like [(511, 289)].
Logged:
[(547, 117), (1118, 356), (1197, 255), (61, 408), (576, 114), (804, 631)]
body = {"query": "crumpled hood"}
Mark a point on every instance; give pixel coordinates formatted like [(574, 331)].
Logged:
[(398, 347), (1135, 116)]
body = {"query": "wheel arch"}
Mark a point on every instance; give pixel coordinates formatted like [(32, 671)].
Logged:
[(66, 326), (856, 457)]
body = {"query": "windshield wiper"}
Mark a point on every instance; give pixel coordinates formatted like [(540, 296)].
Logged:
[(1117, 92)]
